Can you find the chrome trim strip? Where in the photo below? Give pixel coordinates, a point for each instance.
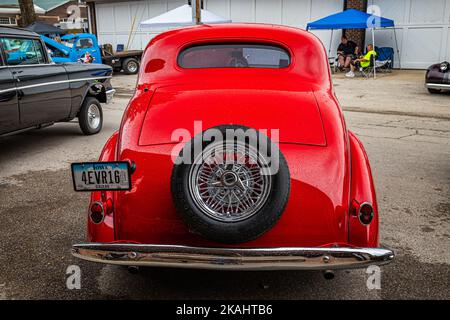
(438, 86)
(30, 65)
(52, 82)
(8, 90)
(314, 258)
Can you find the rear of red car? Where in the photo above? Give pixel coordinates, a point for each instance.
(296, 192)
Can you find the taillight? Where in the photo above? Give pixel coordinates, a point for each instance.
(109, 207)
(97, 212)
(365, 213)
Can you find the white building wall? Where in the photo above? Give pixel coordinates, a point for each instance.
(422, 27)
(116, 20)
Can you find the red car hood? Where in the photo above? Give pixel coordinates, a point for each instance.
(295, 114)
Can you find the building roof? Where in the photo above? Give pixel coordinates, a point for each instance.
(45, 5)
(44, 28)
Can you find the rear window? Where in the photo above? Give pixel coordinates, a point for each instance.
(237, 55)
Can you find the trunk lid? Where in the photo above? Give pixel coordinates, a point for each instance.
(294, 113)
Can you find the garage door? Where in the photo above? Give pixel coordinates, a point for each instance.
(422, 27)
(116, 20)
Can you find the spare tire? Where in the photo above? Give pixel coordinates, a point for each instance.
(230, 190)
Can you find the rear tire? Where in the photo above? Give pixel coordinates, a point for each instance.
(130, 66)
(434, 91)
(90, 117)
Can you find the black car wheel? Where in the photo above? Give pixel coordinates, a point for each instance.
(434, 91)
(90, 117)
(130, 66)
(226, 192)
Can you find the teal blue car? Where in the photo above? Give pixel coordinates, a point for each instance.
(84, 48)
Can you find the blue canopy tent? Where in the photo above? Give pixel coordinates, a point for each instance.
(353, 19)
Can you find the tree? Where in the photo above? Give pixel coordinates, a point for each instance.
(27, 14)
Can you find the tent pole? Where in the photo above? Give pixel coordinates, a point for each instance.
(398, 51)
(331, 41)
(373, 57)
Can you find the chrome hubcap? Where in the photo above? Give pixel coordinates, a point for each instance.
(132, 66)
(226, 183)
(93, 116)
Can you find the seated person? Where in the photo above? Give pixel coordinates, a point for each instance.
(346, 51)
(363, 61)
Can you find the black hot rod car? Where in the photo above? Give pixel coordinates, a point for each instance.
(437, 78)
(35, 92)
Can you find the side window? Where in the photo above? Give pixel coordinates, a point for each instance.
(85, 43)
(20, 51)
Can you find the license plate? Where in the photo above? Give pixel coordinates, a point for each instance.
(93, 176)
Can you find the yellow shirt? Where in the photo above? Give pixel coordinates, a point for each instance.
(367, 57)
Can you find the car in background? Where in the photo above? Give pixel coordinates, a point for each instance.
(437, 78)
(76, 47)
(232, 154)
(35, 92)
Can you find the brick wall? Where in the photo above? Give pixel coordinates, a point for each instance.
(356, 35)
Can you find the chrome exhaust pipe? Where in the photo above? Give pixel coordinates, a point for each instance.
(133, 269)
(328, 274)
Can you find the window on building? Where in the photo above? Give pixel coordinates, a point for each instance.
(8, 21)
(21, 51)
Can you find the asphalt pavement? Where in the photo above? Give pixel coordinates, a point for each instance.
(406, 133)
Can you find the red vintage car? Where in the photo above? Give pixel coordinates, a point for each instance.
(232, 154)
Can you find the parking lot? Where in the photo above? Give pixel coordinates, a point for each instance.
(405, 130)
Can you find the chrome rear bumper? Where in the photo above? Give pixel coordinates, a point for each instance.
(232, 258)
(439, 86)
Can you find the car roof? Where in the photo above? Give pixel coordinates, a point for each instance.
(214, 31)
(309, 60)
(12, 31)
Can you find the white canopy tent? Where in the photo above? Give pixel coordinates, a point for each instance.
(182, 16)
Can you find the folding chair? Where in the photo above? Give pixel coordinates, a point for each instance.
(369, 70)
(120, 48)
(385, 59)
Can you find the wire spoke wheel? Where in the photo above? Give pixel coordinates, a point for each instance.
(226, 181)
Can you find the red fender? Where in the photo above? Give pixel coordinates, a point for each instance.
(104, 231)
(362, 190)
